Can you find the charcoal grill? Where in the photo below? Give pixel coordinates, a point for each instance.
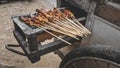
(30, 38)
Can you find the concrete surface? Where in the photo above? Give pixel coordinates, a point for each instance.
(12, 60)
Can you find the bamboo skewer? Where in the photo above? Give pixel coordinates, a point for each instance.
(74, 23)
(81, 25)
(49, 27)
(61, 31)
(68, 25)
(67, 28)
(80, 34)
(59, 27)
(75, 28)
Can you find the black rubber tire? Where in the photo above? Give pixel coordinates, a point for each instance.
(99, 51)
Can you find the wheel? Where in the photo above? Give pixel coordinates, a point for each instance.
(93, 56)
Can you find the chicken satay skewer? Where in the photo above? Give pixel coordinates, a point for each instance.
(54, 19)
(56, 27)
(40, 26)
(66, 13)
(52, 24)
(49, 16)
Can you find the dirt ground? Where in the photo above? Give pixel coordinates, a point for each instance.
(12, 60)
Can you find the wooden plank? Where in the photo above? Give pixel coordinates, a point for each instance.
(44, 36)
(109, 13)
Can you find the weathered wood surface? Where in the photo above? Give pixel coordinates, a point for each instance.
(109, 13)
(44, 36)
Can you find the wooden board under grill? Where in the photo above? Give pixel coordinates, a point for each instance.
(109, 13)
(44, 36)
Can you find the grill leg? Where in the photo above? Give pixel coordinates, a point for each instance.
(33, 57)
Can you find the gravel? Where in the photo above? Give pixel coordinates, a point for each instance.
(12, 60)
